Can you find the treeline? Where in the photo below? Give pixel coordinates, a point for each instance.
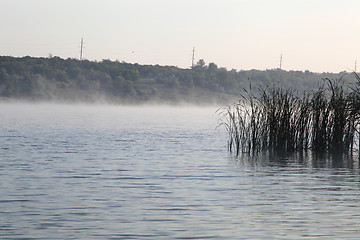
(69, 79)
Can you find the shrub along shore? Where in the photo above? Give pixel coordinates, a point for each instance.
(325, 120)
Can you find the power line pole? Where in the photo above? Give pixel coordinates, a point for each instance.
(355, 65)
(280, 61)
(193, 57)
(81, 49)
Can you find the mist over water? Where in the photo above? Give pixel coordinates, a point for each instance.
(160, 172)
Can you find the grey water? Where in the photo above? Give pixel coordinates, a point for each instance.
(159, 172)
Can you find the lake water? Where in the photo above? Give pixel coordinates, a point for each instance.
(115, 172)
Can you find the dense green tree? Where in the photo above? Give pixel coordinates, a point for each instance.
(200, 63)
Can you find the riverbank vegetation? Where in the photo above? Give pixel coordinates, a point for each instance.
(280, 119)
(71, 80)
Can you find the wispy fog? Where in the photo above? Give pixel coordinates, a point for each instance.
(106, 115)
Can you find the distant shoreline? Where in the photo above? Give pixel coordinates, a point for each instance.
(72, 80)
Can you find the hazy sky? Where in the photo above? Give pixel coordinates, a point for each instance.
(315, 35)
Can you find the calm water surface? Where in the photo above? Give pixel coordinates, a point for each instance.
(112, 172)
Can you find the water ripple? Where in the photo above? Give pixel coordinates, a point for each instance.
(120, 175)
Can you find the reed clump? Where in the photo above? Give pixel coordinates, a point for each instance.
(281, 120)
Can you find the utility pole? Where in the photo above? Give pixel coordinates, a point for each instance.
(280, 61)
(81, 49)
(193, 57)
(355, 65)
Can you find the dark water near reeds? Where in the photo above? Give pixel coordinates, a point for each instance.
(110, 172)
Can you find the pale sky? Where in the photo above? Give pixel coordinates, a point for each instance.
(315, 35)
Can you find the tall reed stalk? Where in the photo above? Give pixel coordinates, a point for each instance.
(354, 107)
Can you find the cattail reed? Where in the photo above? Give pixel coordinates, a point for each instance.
(280, 120)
